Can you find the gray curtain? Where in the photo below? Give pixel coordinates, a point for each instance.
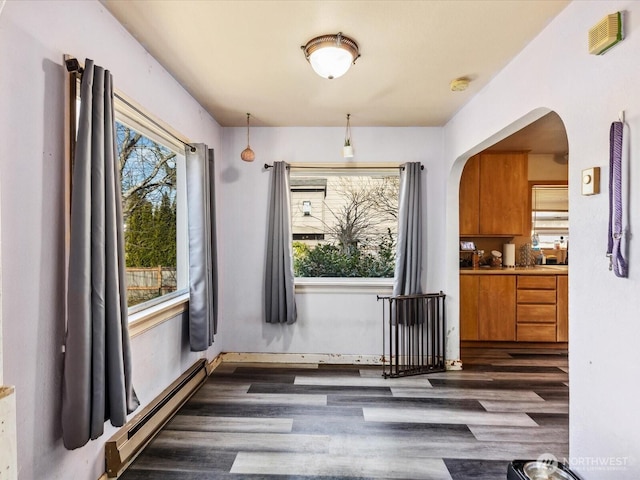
(408, 273)
(97, 363)
(280, 302)
(203, 275)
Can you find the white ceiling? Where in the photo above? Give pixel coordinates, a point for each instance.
(239, 56)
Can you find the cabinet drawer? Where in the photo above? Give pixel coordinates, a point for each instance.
(543, 282)
(537, 296)
(536, 333)
(537, 314)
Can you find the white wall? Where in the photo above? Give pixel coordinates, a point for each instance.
(556, 72)
(327, 323)
(33, 38)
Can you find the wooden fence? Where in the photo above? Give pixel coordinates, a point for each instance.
(146, 283)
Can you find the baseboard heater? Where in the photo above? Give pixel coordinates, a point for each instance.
(130, 440)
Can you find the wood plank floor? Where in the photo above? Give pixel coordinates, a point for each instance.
(275, 422)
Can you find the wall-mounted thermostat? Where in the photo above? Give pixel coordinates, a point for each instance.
(591, 181)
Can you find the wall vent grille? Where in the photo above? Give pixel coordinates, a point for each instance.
(605, 34)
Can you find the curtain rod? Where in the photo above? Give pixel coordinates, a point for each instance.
(74, 68)
(319, 167)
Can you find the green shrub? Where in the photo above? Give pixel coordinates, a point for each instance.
(327, 260)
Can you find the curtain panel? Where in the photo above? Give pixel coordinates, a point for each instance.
(279, 294)
(408, 272)
(97, 377)
(203, 274)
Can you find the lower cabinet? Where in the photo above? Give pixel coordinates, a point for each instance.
(497, 308)
(562, 309)
(487, 307)
(536, 309)
(513, 307)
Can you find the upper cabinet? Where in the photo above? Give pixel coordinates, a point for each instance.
(494, 195)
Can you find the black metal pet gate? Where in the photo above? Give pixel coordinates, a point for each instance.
(413, 334)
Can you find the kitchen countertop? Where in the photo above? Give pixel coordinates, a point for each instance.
(536, 270)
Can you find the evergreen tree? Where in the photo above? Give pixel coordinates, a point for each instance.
(164, 218)
(139, 234)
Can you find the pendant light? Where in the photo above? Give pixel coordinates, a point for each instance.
(247, 154)
(347, 149)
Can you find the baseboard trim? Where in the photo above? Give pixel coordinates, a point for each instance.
(213, 364)
(514, 345)
(328, 358)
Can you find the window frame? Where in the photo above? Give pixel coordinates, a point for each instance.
(342, 284)
(147, 315)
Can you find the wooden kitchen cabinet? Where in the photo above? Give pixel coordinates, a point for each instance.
(497, 308)
(536, 308)
(487, 307)
(513, 307)
(562, 309)
(469, 307)
(493, 195)
(470, 197)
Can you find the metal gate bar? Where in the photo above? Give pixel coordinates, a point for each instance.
(413, 334)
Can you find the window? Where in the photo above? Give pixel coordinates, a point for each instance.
(152, 171)
(344, 221)
(149, 171)
(549, 215)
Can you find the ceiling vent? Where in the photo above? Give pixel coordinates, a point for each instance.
(605, 34)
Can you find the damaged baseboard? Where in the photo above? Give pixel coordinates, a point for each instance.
(453, 364)
(328, 358)
(302, 358)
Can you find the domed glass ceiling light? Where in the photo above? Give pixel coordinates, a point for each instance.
(331, 56)
(347, 149)
(247, 154)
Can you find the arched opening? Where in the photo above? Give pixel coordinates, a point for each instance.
(514, 237)
(512, 205)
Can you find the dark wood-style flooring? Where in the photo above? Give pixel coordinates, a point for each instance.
(278, 421)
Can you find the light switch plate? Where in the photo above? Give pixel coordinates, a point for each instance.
(591, 181)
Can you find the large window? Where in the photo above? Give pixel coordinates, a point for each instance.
(344, 222)
(149, 170)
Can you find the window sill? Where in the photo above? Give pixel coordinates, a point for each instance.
(381, 286)
(149, 318)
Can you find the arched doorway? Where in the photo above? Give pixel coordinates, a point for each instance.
(513, 225)
(514, 336)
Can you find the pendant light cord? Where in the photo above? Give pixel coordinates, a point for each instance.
(347, 133)
(248, 115)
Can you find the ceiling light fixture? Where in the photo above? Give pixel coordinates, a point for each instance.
(247, 154)
(347, 150)
(331, 56)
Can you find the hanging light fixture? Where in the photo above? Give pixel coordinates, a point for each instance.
(331, 56)
(247, 154)
(347, 149)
